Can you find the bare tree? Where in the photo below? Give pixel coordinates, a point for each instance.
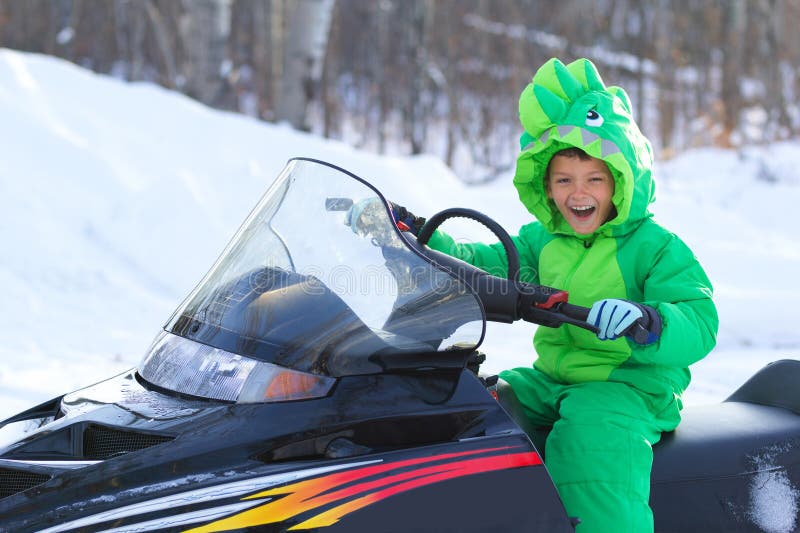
(165, 48)
(770, 13)
(304, 50)
(440, 76)
(204, 30)
(734, 23)
(667, 79)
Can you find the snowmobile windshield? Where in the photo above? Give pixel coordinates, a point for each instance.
(319, 280)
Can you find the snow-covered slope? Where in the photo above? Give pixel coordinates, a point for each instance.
(115, 198)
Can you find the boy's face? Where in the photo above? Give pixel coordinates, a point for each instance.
(581, 190)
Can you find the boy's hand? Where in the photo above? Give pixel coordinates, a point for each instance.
(405, 220)
(615, 318)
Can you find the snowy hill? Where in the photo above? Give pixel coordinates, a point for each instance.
(115, 198)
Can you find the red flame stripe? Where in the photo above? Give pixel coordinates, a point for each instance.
(433, 475)
(309, 494)
(341, 478)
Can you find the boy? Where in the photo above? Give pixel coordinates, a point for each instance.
(585, 174)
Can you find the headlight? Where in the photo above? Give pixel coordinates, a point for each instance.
(182, 365)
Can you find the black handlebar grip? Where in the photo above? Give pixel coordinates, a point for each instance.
(636, 332)
(574, 311)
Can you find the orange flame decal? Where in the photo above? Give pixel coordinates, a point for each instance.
(314, 493)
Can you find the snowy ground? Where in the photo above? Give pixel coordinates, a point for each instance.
(115, 198)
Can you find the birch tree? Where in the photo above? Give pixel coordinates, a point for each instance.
(304, 51)
(204, 28)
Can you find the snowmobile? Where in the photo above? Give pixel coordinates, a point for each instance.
(324, 376)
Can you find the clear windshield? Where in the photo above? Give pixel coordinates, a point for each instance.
(299, 287)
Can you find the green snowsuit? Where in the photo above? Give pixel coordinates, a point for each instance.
(607, 401)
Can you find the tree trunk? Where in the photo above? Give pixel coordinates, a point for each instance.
(136, 30)
(204, 32)
(667, 81)
(381, 82)
(733, 25)
(277, 16)
(167, 53)
(418, 115)
(304, 52)
(772, 13)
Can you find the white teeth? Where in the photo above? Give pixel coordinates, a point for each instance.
(582, 208)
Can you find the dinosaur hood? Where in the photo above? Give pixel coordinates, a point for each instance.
(570, 106)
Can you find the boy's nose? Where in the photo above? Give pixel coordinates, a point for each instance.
(580, 189)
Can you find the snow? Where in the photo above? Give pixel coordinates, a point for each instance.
(116, 197)
(773, 502)
(773, 497)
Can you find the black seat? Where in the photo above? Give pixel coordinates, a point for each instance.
(775, 385)
(725, 464)
(720, 440)
(713, 440)
(723, 459)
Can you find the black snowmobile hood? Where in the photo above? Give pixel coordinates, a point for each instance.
(300, 288)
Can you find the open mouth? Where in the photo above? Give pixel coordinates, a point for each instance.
(582, 212)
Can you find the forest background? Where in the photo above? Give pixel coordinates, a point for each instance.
(440, 77)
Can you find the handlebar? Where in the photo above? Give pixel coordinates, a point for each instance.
(576, 312)
(636, 332)
(504, 300)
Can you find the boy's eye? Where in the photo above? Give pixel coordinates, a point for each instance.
(593, 118)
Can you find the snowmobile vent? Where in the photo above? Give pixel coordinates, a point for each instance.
(103, 443)
(14, 481)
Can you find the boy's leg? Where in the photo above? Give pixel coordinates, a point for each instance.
(599, 454)
(535, 407)
(537, 393)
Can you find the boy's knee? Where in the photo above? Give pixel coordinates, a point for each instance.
(602, 454)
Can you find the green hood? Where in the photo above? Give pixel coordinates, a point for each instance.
(570, 106)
